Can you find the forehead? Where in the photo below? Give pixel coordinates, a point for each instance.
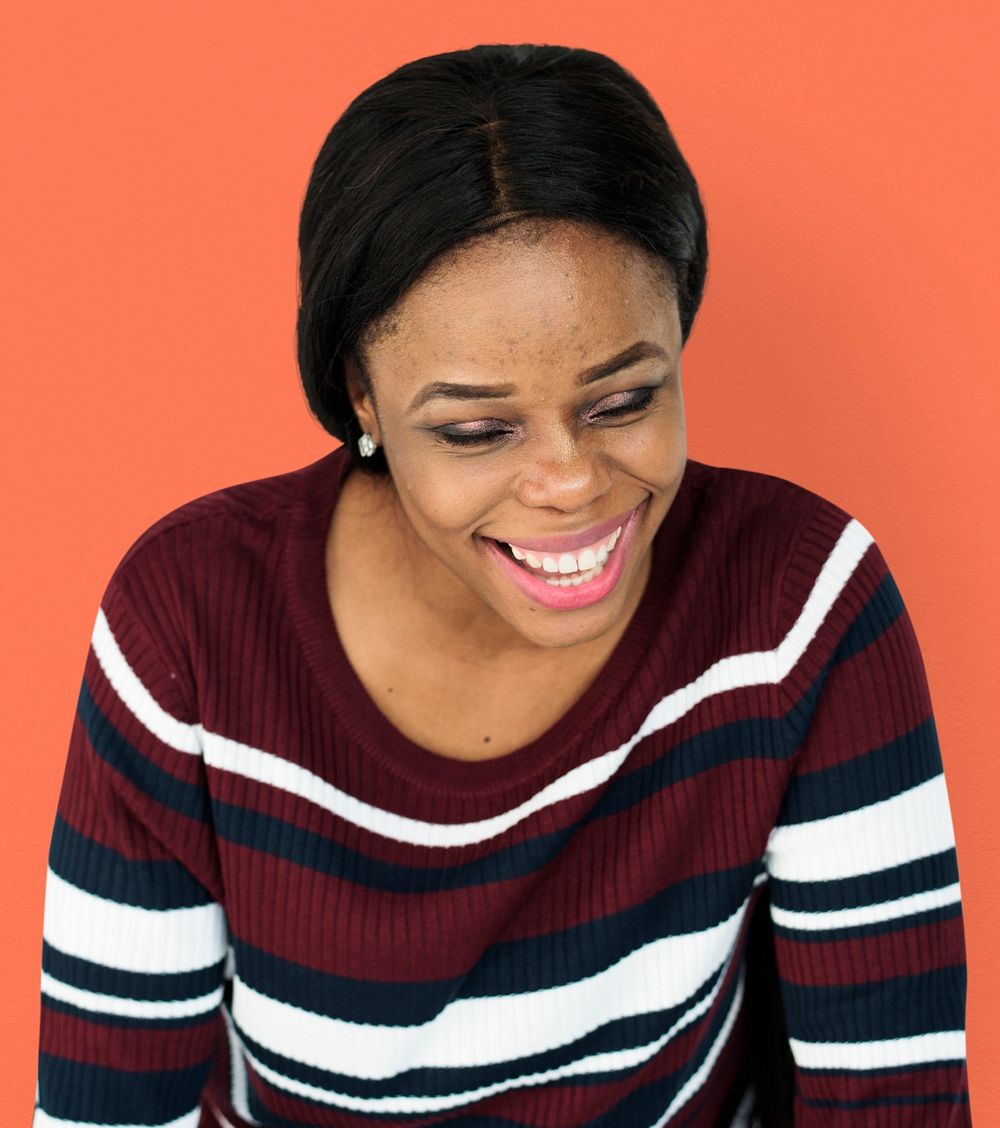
(532, 291)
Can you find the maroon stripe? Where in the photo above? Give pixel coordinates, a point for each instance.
(133, 1049)
(906, 950)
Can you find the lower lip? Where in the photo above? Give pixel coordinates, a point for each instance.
(585, 594)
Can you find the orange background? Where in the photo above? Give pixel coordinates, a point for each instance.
(157, 155)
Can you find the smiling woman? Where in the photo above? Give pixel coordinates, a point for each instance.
(505, 766)
(520, 441)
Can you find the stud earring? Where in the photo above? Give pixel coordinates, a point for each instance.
(367, 445)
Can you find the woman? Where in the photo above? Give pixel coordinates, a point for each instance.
(504, 766)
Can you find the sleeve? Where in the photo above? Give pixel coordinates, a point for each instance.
(134, 936)
(863, 876)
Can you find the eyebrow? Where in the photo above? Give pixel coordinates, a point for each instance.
(641, 350)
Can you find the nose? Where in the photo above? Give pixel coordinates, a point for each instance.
(560, 472)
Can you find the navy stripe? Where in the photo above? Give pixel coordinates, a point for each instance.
(645, 1105)
(264, 1114)
(880, 611)
(799, 717)
(104, 1019)
(109, 744)
(883, 772)
(104, 872)
(317, 851)
(619, 1034)
(759, 738)
(888, 1070)
(879, 928)
(73, 1090)
(306, 848)
(96, 977)
(872, 1011)
(878, 1102)
(514, 967)
(933, 872)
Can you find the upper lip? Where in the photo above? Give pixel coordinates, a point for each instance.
(571, 542)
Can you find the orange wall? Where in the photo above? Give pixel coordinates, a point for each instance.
(157, 157)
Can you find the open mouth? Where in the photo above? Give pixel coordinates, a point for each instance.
(565, 569)
(565, 578)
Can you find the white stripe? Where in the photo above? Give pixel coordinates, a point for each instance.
(697, 1079)
(741, 1117)
(222, 1121)
(43, 1120)
(911, 825)
(602, 1063)
(948, 1045)
(473, 1032)
(131, 1008)
(135, 696)
(837, 569)
(239, 1088)
(264, 767)
(761, 667)
(128, 937)
(867, 914)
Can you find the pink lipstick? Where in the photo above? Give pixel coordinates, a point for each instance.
(541, 587)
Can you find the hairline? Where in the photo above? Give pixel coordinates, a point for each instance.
(520, 228)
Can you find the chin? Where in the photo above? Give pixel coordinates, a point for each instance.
(559, 630)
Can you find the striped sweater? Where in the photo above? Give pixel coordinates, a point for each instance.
(266, 906)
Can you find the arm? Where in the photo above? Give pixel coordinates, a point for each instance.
(865, 898)
(134, 935)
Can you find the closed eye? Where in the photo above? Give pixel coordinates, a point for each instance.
(489, 432)
(483, 432)
(623, 403)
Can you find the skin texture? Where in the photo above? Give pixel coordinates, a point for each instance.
(529, 314)
(527, 309)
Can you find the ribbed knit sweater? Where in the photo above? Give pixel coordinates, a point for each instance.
(266, 905)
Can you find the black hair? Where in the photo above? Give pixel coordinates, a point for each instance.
(452, 146)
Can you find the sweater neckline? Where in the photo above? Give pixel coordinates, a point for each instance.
(590, 722)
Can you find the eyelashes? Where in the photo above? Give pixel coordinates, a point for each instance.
(492, 431)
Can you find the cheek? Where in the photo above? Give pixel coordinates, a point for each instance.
(654, 454)
(445, 496)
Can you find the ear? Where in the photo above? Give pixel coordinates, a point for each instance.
(361, 398)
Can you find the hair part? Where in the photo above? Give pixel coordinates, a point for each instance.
(472, 144)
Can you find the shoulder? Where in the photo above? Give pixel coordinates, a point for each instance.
(779, 547)
(748, 511)
(227, 524)
(191, 577)
(754, 500)
(208, 559)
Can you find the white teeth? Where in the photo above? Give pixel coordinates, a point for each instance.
(575, 580)
(580, 566)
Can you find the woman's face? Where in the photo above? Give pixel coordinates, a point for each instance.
(528, 399)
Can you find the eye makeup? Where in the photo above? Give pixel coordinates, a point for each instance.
(489, 432)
